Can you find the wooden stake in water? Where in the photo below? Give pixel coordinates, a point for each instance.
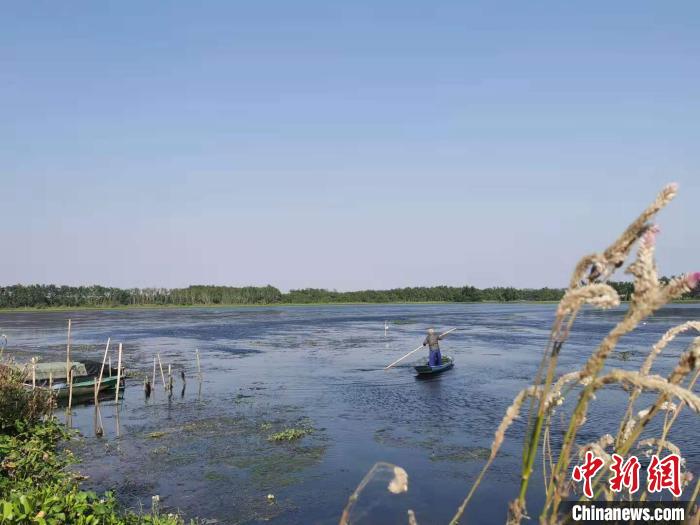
(153, 379)
(162, 375)
(33, 373)
(109, 365)
(70, 389)
(119, 372)
(102, 369)
(68, 367)
(170, 378)
(199, 368)
(116, 420)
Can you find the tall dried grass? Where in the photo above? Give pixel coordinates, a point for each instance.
(587, 286)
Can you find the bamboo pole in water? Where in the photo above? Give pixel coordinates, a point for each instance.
(162, 375)
(199, 368)
(33, 373)
(412, 351)
(170, 379)
(102, 369)
(109, 365)
(119, 372)
(116, 420)
(153, 379)
(68, 351)
(70, 389)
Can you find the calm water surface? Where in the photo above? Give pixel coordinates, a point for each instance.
(205, 450)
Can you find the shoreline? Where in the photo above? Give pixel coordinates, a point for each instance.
(33, 309)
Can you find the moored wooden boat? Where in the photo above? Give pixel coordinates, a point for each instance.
(85, 386)
(426, 369)
(52, 376)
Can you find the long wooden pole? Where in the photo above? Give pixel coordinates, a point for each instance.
(402, 358)
(102, 369)
(33, 373)
(153, 381)
(413, 351)
(162, 375)
(68, 351)
(119, 372)
(70, 389)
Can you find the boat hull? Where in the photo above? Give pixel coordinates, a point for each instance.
(85, 388)
(426, 369)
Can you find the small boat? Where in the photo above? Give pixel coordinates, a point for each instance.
(426, 369)
(52, 376)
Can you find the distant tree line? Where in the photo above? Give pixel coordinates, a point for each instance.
(450, 294)
(45, 296)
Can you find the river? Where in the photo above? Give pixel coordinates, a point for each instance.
(205, 451)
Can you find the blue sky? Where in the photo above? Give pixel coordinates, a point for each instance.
(341, 145)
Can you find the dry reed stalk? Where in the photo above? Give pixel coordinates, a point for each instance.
(651, 382)
(635, 426)
(660, 444)
(662, 343)
(669, 336)
(688, 362)
(669, 423)
(119, 372)
(397, 485)
(546, 454)
(648, 297)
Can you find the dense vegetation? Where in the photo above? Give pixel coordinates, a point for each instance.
(35, 484)
(45, 296)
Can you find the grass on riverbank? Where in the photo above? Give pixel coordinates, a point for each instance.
(36, 486)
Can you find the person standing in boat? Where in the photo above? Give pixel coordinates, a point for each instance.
(434, 356)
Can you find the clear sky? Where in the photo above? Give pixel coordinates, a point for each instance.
(342, 145)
